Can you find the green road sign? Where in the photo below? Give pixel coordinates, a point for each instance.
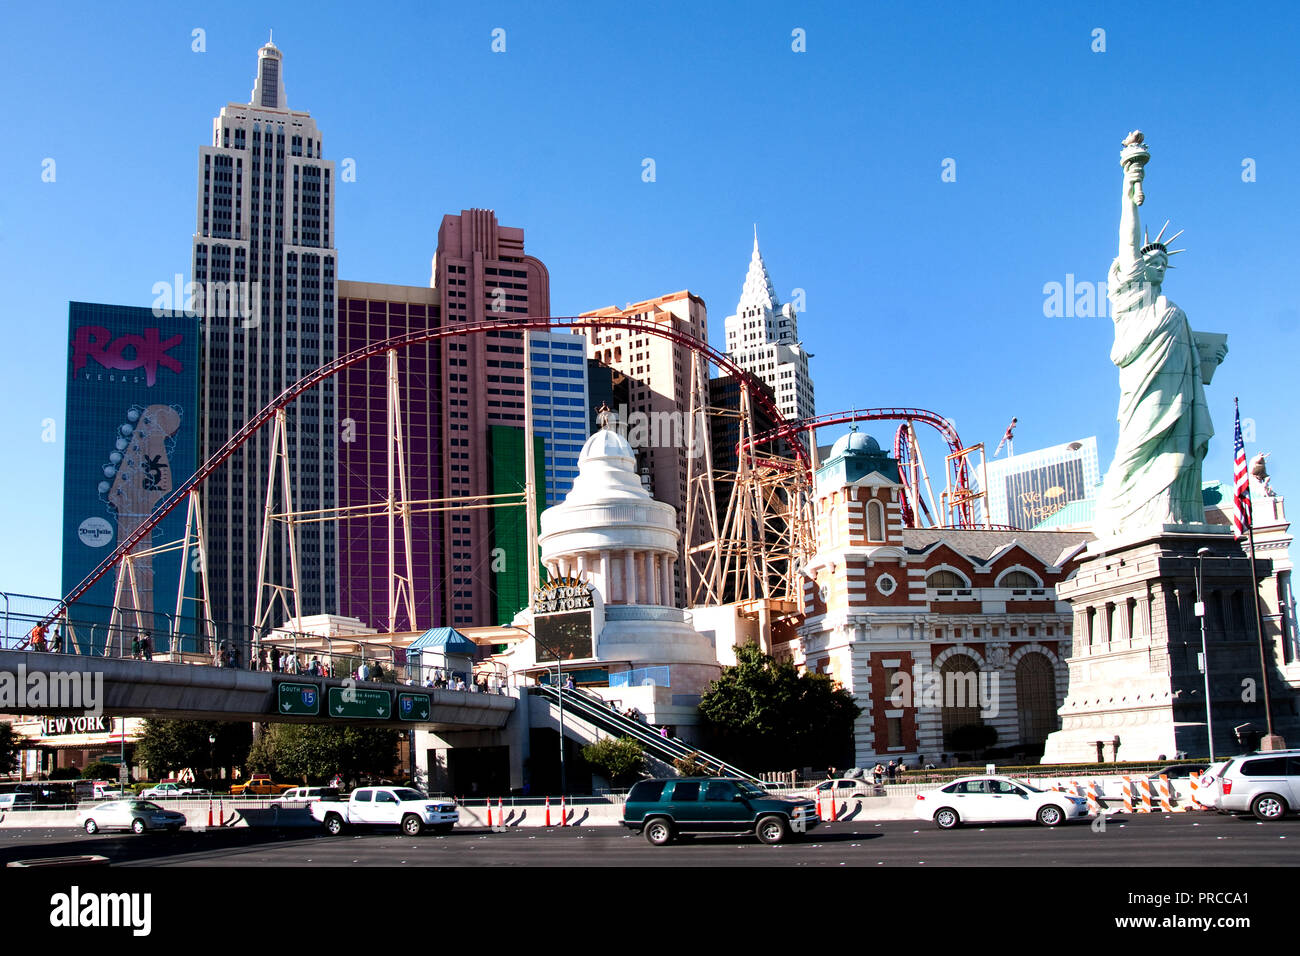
(300, 699)
(366, 704)
(413, 706)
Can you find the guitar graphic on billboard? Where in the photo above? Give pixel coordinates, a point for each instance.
(139, 477)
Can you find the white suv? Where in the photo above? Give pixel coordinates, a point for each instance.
(1266, 784)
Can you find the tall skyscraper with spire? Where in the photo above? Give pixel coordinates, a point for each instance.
(763, 339)
(264, 271)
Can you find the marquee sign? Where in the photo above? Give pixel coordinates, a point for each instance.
(561, 595)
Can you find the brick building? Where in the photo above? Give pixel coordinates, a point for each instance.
(932, 630)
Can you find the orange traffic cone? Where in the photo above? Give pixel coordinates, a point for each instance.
(489, 812)
(548, 811)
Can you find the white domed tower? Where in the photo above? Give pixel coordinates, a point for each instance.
(610, 534)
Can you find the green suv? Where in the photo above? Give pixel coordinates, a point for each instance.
(664, 808)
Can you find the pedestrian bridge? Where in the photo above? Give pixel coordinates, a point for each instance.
(46, 684)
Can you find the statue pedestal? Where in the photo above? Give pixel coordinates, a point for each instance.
(1134, 668)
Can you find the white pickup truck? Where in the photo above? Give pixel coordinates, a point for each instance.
(387, 806)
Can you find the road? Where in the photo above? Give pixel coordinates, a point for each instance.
(1192, 840)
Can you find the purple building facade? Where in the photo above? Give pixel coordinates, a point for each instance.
(369, 313)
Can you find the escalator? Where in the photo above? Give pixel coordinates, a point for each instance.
(595, 711)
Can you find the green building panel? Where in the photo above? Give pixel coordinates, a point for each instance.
(509, 544)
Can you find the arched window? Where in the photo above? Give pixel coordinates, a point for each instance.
(1018, 579)
(961, 708)
(944, 579)
(875, 521)
(1035, 698)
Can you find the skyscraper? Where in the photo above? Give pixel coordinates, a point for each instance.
(659, 383)
(561, 408)
(481, 272)
(763, 338)
(369, 313)
(264, 272)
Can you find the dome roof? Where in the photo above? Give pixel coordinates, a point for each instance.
(606, 443)
(855, 443)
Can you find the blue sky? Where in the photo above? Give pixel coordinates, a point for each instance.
(918, 291)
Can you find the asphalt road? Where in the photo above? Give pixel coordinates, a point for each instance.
(1198, 840)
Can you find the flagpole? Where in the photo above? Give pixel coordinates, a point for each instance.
(1244, 517)
(1259, 626)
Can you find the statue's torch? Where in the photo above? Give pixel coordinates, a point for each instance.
(1135, 153)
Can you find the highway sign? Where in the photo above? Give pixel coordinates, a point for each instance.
(299, 699)
(413, 706)
(364, 704)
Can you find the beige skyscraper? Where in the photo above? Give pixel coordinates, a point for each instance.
(659, 382)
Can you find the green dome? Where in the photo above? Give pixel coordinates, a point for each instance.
(855, 443)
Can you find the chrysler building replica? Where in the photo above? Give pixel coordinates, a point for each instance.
(763, 339)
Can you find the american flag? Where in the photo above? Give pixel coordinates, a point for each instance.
(1241, 513)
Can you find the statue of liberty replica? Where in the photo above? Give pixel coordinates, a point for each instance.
(1164, 423)
(1162, 590)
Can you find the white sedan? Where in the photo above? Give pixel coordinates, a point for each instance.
(135, 815)
(997, 800)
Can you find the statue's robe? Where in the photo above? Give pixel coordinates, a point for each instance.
(1164, 423)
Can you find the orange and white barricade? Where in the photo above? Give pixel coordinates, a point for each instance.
(1145, 784)
(1167, 797)
(1094, 797)
(1194, 785)
(1127, 786)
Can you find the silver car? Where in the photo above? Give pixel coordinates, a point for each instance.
(134, 815)
(1265, 784)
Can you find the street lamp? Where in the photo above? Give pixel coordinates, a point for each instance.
(1205, 651)
(212, 756)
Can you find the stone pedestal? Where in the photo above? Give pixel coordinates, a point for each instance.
(1134, 667)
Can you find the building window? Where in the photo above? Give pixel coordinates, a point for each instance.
(875, 521)
(945, 579)
(1035, 698)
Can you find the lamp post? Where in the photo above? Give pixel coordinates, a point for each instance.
(212, 756)
(1205, 651)
(559, 692)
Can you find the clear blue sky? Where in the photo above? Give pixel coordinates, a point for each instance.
(918, 291)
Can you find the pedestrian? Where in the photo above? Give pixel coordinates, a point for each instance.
(377, 672)
(275, 659)
(135, 647)
(892, 771)
(363, 672)
(878, 772)
(58, 640)
(663, 731)
(146, 646)
(38, 637)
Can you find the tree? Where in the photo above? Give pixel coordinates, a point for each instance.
(762, 714)
(8, 749)
(618, 758)
(315, 752)
(98, 770)
(168, 745)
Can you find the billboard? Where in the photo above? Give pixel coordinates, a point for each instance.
(1037, 494)
(131, 436)
(564, 620)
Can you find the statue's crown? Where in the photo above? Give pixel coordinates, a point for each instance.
(1158, 245)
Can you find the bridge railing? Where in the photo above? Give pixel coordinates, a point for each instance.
(100, 630)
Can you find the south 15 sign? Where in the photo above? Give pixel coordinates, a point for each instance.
(562, 594)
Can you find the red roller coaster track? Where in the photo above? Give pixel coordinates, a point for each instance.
(523, 324)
